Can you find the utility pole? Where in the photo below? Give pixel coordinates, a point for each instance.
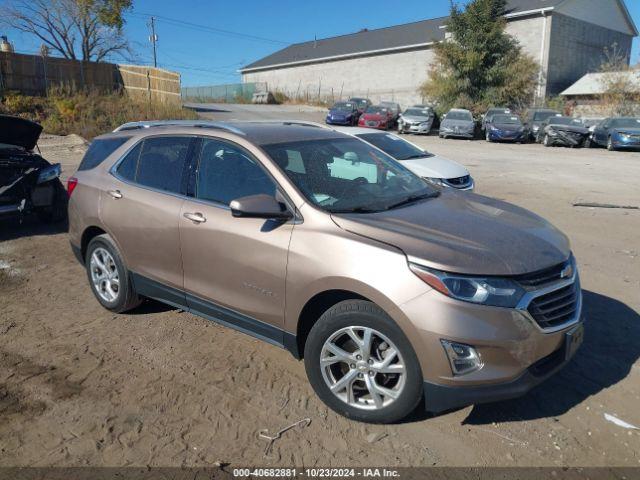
(154, 39)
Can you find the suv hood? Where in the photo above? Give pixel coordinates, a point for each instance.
(435, 167)
(465, 233)
(416, 118)
(630, 131)
(458, 123)
(569, 128)
(19, 132)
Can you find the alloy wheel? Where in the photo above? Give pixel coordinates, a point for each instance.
(363, 368)
(104, 274)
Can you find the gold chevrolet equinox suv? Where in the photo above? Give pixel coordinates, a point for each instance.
(392, 290)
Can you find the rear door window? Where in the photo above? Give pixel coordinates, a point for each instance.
(157, 163)
(99, 150)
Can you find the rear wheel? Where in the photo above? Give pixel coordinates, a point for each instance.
(108, 277)
(360, 363)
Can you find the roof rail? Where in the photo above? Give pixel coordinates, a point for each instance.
(178, 123)
(302, 123)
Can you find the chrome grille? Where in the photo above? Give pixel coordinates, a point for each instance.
(556, 307)
(459, 182)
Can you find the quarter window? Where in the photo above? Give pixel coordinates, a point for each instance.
(226, 172)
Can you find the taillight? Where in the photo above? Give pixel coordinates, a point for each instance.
(72, 182)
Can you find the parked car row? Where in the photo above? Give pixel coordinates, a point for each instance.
(544, 126)
(383, 116)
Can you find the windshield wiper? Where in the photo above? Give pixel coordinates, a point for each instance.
(418, 155)
(413, 198)
(356, 210)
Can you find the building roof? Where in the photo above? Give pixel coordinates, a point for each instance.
(595, 83)
(398, 37)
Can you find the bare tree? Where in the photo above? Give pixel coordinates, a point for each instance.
(620, 84)
(94, 28)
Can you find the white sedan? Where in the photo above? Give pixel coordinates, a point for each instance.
(437, 170)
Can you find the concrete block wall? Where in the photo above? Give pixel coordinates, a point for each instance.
(392, 77)
(576, 48)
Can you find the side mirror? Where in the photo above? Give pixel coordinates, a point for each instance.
(259, 206)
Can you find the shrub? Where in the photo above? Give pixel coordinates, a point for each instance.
(88, 113)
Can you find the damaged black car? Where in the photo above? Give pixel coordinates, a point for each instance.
(28, 183)
(563, 132)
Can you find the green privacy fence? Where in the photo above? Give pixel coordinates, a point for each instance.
(232, 92)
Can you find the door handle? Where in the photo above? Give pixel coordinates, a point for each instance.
(115, 193)
(195, 217)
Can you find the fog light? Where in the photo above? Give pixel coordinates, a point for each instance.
(462, 358)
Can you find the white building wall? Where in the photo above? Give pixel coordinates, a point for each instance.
(393, 77)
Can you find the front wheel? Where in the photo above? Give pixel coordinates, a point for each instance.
(360, 363)
(610, 146)
(547, 141)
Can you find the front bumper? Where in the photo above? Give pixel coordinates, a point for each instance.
(439, 398)
(330, 121)
(507, 136)
(419, 128)
(620, 143)
(517, 352)
(457, 134)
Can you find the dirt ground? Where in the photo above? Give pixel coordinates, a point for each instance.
(80, 386)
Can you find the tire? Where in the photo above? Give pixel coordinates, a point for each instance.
(488, 137)
(125, 297)
(404, 389)
(588, 143)
(546, 141)
(610, 146)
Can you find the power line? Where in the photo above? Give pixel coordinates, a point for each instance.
(206, 28)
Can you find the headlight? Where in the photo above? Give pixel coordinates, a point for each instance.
(497, 292)
(434, 181)
(424, 124)
(625, 136)
(49, 173)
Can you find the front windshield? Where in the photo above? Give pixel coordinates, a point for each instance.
(565, 121)
(417, 112)
(506, 119)
(376, 109)
(453, 115)
(542, 116)
(343, 107)
(625, 123)
(347, 175)
(394, 146)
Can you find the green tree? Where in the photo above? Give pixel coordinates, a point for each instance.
(479, 64)
(94, 28)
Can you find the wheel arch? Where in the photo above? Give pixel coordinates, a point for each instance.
(89, 234)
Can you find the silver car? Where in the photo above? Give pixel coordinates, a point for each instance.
(458, 123)
(416, 120)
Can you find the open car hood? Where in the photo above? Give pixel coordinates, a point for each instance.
(19, 132)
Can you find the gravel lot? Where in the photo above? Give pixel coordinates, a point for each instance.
(81, 386)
